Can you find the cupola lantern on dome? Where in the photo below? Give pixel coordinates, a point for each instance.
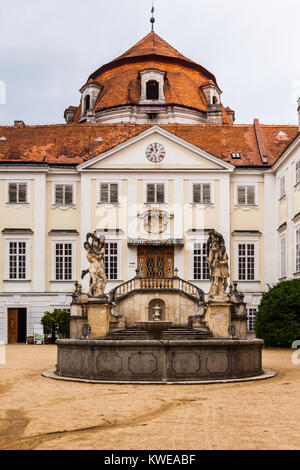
(151, 83)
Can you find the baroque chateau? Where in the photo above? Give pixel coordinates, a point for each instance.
(153, 160)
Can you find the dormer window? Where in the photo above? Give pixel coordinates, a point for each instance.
(89, 95)
(87, 103)
(152, 90)
(152, 86)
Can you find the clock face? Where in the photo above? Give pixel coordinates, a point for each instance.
(155, 152)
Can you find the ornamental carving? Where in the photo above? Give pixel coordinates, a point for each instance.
(156, 221)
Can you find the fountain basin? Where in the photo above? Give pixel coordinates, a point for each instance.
(154, 328)
(152, 361)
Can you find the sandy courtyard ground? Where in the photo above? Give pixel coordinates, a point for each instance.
(40, 413)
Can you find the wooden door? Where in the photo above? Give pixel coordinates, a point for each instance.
(156, 262)
(12, 323)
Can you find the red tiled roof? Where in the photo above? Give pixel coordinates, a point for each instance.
(75, 143)
(152, 45)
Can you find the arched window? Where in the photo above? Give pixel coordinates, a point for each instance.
(215, 100)
(87, 103)
(152, 90)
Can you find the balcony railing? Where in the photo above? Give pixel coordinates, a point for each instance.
(175, 284)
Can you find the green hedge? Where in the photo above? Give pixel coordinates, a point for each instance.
(61, 318)
(278, 317)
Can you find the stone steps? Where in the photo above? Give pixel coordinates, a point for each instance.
(174, 333)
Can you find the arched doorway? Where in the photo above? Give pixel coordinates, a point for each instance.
(157, 303)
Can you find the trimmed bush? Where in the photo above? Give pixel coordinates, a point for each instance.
(278, 318)
(61, 319)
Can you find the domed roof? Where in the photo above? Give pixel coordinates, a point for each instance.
(152, 45)
(120, 78)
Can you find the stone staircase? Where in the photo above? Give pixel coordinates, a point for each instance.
(179, 332)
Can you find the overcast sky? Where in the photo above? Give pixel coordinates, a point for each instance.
(48, 48)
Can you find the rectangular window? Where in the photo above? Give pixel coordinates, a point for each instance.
(251, 314)
(111, 260)
(298, 250)
(64, 194)
(155, 193)
(63, 262)
(201, 269)
(17, 260)
(246, 195)
(282, 257)
(109, 193)
(246, 262)
(298, 172)
(17, 193)
(201, 193)
(282, 186)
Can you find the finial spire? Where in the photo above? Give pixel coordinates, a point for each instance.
(152, 20)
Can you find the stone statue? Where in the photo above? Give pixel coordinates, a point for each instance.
(95, 248)
(218, 266)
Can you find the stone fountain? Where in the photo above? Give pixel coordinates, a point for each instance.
(155, 327)
(211, 346)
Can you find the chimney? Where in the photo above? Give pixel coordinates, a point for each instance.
(299, 112)
(19, 124)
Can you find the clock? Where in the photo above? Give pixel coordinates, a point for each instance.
(155, 152)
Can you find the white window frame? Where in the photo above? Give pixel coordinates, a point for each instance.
(201, 241)
(119, 259)
(109, 182)
(17, 238)
(166, 186)
(246, 240)
(297, 172)
(8, 182)
(297, 263)
(243, 183)
(156, 75)
(250, 317)
(59, 239)
(64, 183)
(282, 186)
(212, 192)
(282, 256)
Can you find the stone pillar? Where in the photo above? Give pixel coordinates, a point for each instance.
(218, 318)
(99, 317)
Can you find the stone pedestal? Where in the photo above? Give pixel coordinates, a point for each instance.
(99, 317)
(218, 318)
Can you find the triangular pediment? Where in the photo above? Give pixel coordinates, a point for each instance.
(178, 154)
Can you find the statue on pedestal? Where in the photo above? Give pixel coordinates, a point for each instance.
(218, 266)
(95, 248)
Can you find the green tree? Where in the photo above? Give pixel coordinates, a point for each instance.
(278, 317)
(61, 320)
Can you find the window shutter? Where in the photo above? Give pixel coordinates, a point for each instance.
(206, 194)
(251, 195)
(12, 192)
(114, 197)
(59, 194)
(241, 193)
(160, 198)
(22, 192)
(69, 194)
(150, 193)
(104, 193)
(196, 193)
